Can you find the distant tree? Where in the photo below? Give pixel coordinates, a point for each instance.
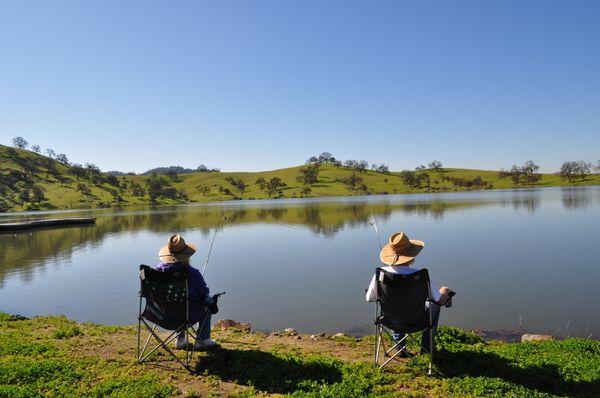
(410, 179)
(383, 168)
(312, 160)
(503, 173)
(94, 173)
(77, 170)
(182, 195)
(24, 196)
(529, 172)
(237, 183)
(305, 190)
(172, 174)
(352, 182)
(420, 168)
(362, 165)
(568, 171)
(351, 164)
(326, 157)
(435, 165)
(11, 153)
(20, 142)
(424, 178)
(597, 167)
(583, 168)
(50, 153)
(62, 158)
(84, 189)
(336, 163)
(261, 182)
(113, 180)
(203, 189)
(136, 189)
(203, 169)
(35, 148)
(309, 174)
(515, 174)
(275, 186)
(240, 186)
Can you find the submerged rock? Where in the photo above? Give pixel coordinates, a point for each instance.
(225, 324)
(290, 331)
(536, 337)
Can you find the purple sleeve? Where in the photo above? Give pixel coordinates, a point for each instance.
(197, 283)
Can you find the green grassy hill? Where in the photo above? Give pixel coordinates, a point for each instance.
(30, 181)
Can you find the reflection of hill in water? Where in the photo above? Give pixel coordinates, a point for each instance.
(24, 251)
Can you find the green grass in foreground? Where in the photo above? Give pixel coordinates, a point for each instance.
(56, 357)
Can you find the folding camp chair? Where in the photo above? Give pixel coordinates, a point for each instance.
(167, 306)
(401, 307)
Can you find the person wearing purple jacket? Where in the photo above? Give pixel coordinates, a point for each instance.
(176, 255)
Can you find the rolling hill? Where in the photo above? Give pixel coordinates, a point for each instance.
(30, 181)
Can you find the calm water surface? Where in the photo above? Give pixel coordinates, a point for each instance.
(528, 255)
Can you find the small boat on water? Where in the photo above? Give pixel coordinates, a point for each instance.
(45, 222)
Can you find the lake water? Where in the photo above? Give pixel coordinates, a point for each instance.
(529, 256)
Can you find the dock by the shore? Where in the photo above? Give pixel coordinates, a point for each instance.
(46, 222)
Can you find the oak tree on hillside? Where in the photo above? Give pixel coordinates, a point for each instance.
(275, 186)
(62, 158)
(261, 183)
(309, 174)
(20, 142)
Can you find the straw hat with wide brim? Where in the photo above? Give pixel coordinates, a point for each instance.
(400, 250)
(177, 250)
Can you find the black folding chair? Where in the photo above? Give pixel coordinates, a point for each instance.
(167, 306)
(400, 306)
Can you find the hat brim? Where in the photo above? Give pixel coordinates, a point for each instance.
(165, 255)
(390, 257)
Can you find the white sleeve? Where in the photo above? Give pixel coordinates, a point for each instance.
(371, 293)
(435, 291)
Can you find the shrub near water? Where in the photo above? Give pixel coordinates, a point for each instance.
(539, 369)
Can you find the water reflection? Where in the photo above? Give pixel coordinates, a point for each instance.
(577, 198)
(298, 262)
(524, 200)
(25, 250)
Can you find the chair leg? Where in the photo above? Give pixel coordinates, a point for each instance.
(431, 350)
(377, 344)
(139, 335)
(166, 347)
(141, 353)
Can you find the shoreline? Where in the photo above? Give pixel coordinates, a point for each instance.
(55, 356)
(19, 213)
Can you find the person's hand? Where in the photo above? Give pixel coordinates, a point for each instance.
(213, 307)
(444, 291)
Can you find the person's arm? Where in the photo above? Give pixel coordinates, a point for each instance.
(198, 284)
(371, 291)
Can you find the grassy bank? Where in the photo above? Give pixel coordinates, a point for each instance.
(53, 356)
(30, 181)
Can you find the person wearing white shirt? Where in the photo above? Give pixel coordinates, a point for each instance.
(399, 254)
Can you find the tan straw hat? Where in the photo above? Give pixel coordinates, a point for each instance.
(177, 250)
(400, 250)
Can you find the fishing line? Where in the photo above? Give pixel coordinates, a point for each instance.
(374, 224)
(212, 242)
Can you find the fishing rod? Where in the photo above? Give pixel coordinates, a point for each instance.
(212, 242)
(374, 224)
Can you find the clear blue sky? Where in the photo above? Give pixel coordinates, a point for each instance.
(256, 85)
